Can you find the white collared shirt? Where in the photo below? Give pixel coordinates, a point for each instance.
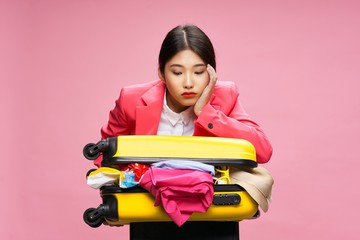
(176, 124)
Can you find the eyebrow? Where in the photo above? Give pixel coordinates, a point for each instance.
(196, 65)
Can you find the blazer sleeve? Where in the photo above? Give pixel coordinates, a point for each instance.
(117, 124)
(225, 117)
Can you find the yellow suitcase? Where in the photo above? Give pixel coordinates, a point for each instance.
(132, 205)
(148, 149)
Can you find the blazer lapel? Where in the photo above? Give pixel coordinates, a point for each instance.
(148, 116)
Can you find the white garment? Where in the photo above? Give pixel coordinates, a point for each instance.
(103, 176)
(176, 124)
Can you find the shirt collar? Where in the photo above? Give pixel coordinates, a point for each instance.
(185, 116)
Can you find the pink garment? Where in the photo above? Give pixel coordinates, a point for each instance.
(181, 192)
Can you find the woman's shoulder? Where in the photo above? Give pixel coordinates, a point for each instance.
(142, 86)
(225, 87)
(225, 84)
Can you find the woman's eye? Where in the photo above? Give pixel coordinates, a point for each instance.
(177, 73)
(199, 72)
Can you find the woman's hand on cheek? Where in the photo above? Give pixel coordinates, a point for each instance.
(206, 94)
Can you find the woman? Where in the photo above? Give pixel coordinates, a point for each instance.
(187, 100)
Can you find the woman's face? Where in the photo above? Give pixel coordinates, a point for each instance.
(185, 76)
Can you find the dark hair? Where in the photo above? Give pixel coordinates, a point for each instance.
(186, 37)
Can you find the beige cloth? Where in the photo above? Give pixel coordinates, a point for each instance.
(257, 182)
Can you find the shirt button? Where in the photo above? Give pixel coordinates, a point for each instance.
(210, 125)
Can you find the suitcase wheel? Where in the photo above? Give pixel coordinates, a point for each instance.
(91, 151)
(93, 217)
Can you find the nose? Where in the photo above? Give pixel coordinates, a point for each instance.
(188, 82)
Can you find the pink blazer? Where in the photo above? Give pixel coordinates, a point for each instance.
(138, 109)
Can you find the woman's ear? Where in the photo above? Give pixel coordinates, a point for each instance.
(161, 76)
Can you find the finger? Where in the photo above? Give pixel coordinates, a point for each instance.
(212, 73)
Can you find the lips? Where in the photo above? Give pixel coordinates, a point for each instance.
(188, 94)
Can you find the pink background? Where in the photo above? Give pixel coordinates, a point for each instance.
(62, 64)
